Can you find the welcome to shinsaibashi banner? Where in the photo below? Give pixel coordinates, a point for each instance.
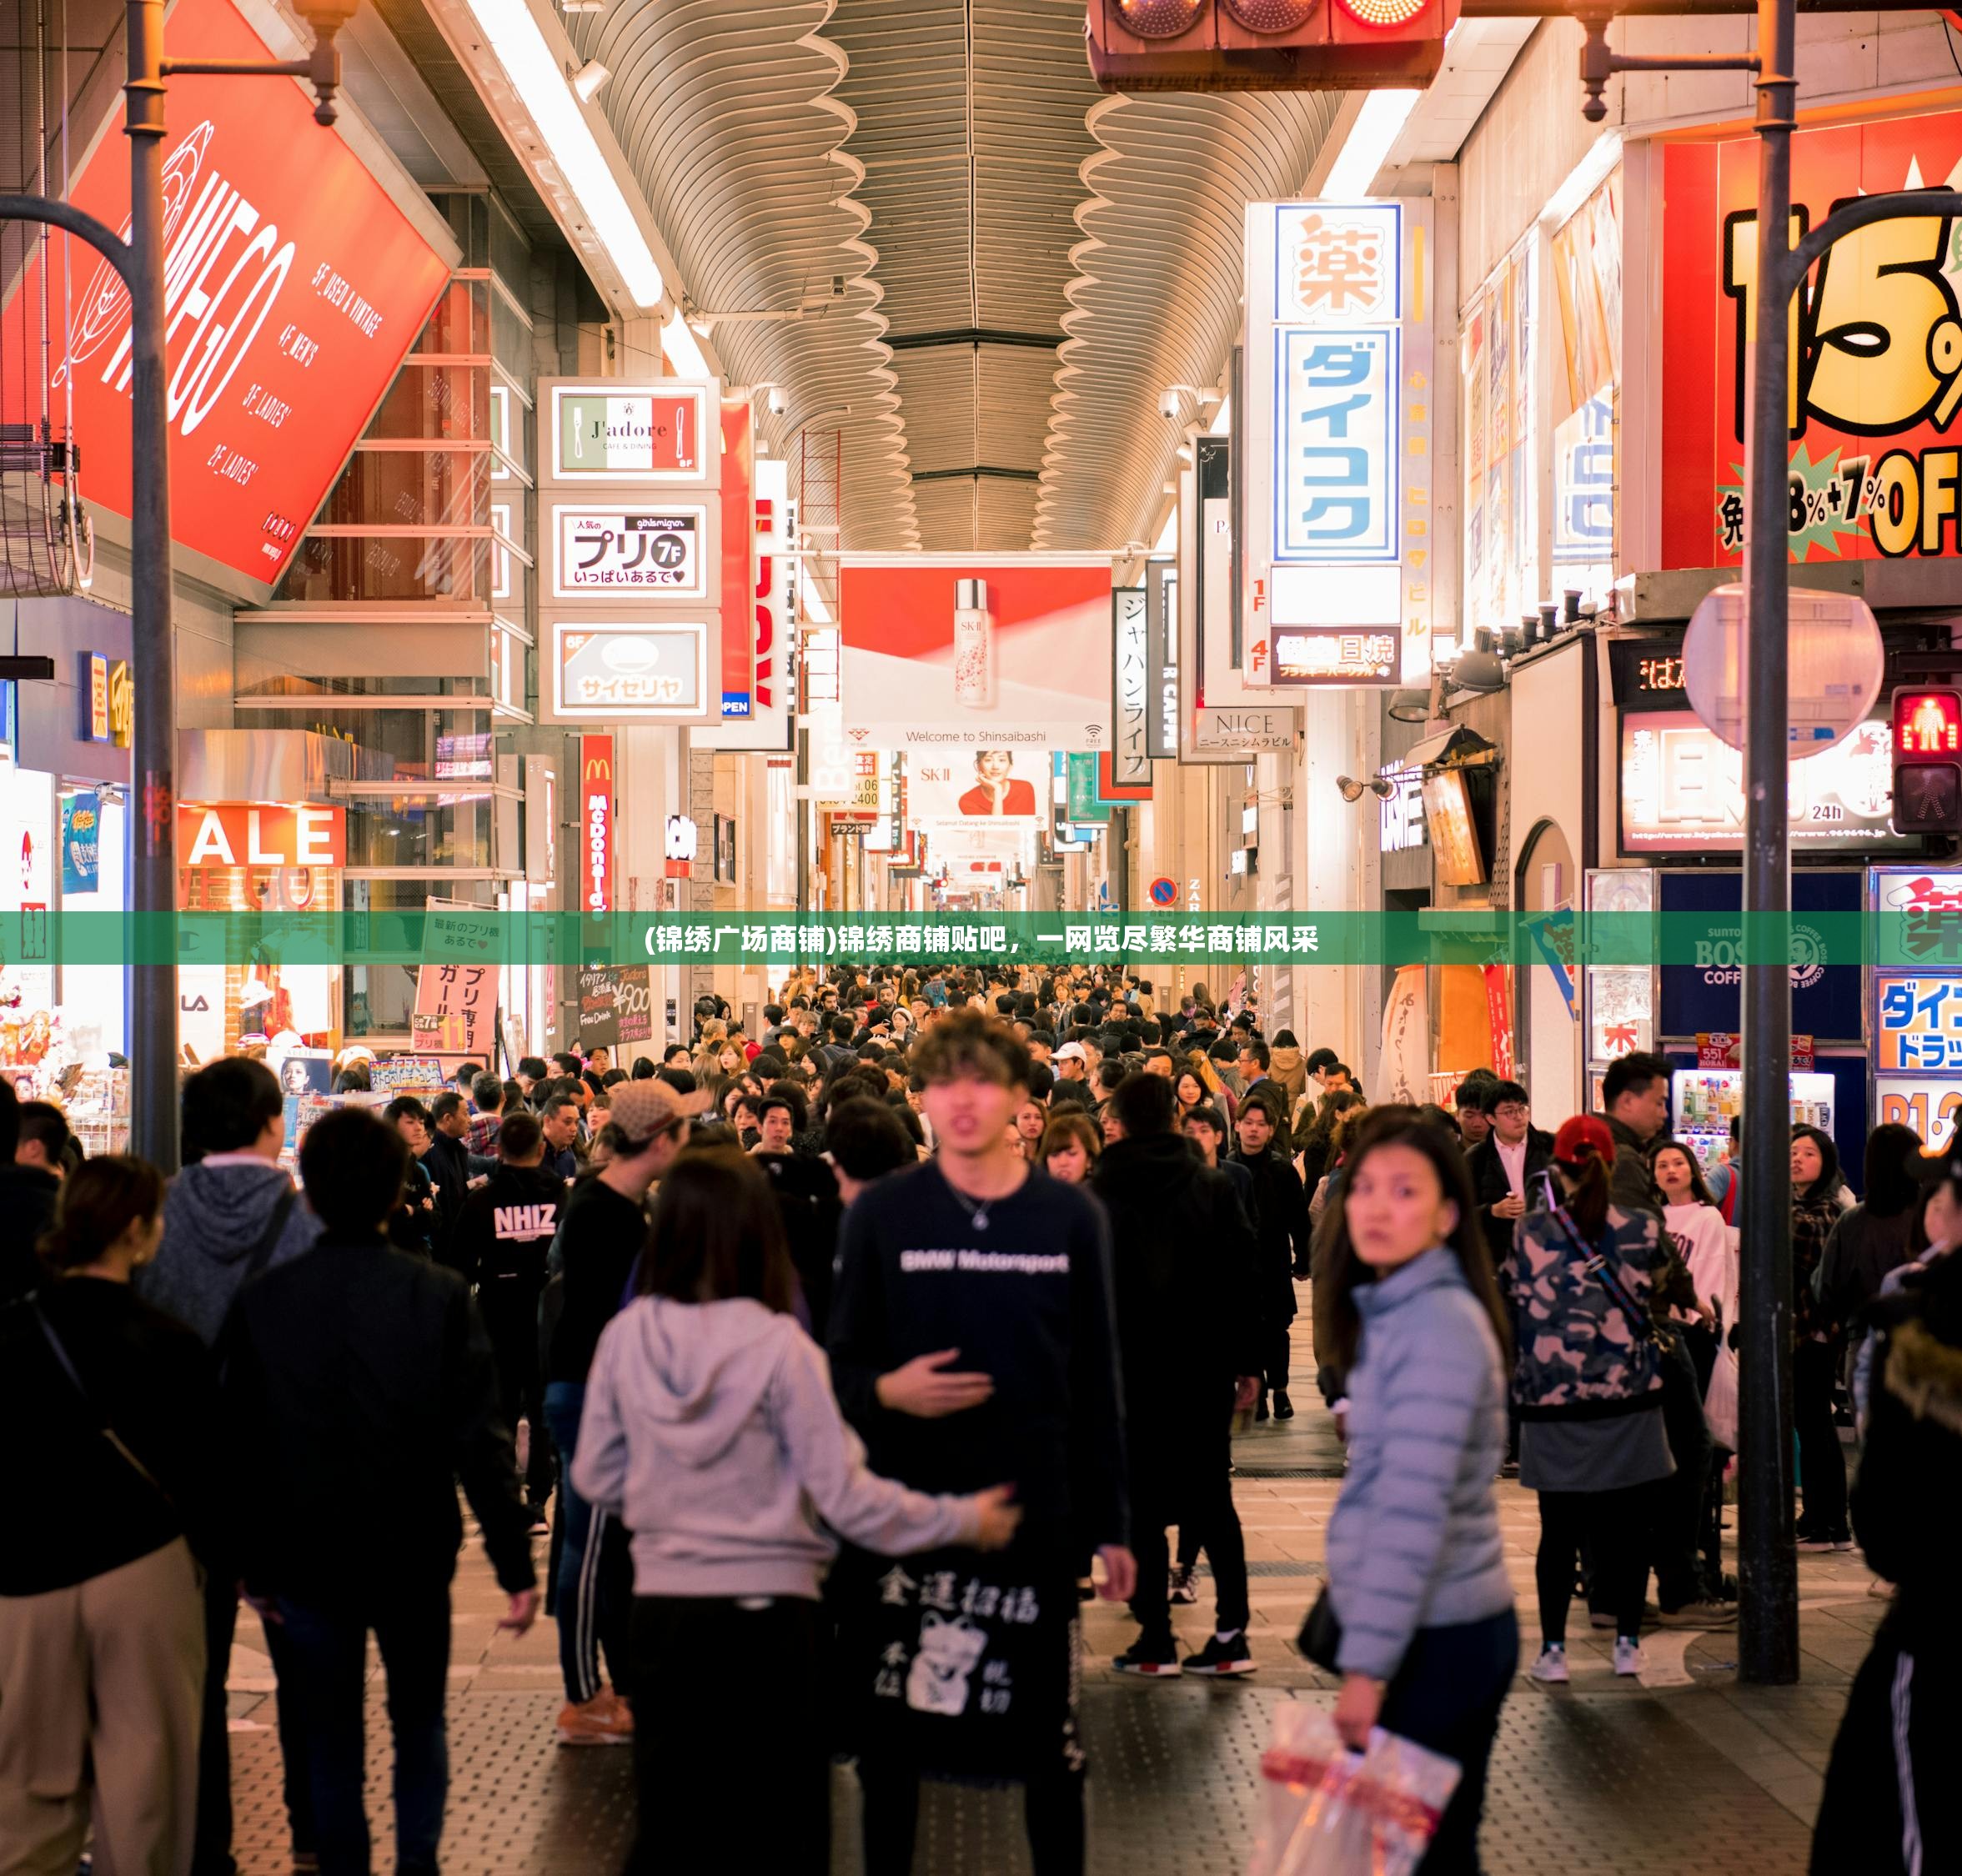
(457, 949)
(1877, 360)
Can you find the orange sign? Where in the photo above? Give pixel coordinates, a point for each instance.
(455, 1010)
(248, 834)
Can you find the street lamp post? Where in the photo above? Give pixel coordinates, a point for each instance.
(139, 262)
(1768, 1603)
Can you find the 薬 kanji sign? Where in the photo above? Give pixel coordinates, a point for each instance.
(1338, 456)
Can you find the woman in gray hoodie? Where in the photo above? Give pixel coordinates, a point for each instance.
(1428, 1642)
(711, 1433)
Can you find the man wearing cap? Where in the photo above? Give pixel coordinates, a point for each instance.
(1070, 1063)
(602, 1231)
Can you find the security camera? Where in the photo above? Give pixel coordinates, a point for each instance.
(1168, 406)
(779, 402)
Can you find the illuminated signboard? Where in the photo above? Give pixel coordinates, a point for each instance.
(611, 432)
(602, 553)
(605, 672)
(249, 834)
(1309, 655)
(293, 287)
(1682, 790)
(1917, 1024)
(1339, 352)
(595, 794)
(1130, 689)
(1876, 343)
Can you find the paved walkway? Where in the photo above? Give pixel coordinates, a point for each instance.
(1686, 1772)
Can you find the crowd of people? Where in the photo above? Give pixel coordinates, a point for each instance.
(843, 1361)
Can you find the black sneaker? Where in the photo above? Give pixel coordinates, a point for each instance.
(1158, 1659)
(1230, 1657)
(1284, 1408)
(1181, 1590)
(541, 1525)
(1260, 1405)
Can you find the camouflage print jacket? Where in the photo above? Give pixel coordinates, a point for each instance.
(1578, 1358)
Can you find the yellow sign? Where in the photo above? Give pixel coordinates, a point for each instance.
(121, 727)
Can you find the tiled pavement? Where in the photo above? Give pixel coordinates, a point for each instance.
(1688, 1772)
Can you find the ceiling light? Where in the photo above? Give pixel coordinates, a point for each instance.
(588, 79)
(1377, 126)
(683, 350)
(533, 72)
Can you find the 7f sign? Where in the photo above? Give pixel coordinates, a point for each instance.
(596, 796)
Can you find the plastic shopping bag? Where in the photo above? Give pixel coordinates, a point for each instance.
(1326, 1811)
(1720, 1398)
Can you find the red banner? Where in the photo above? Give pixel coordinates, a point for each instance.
(1715, 1049)
(595, 814)
(293, 288)
(739, 547)
(1876, 349)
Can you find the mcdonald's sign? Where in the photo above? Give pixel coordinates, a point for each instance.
(596, 795)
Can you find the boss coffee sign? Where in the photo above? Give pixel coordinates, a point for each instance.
(1877, 360)
(293, 287)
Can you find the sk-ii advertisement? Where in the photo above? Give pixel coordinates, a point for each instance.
(293, 288)
(1876, 358)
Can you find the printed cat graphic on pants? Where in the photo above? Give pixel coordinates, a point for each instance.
(950, 1652)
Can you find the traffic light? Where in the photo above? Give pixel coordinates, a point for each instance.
(1267, 45)
(1928, 759)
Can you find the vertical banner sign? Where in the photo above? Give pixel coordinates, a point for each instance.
(768, 724)
(596, 796)
(1338, 445)
(1130, 689)
(81, 818)
(739, 579)
(1162, 657)
(1876, 389)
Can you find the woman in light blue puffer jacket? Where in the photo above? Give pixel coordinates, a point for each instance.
(1417, 1578)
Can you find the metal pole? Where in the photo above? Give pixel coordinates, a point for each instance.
(153, 977)
(1768, 1569)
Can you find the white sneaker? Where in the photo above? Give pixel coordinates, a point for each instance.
(1551, 1666)
(1628, 1658)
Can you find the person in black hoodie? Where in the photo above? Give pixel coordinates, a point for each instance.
(232, 1212)
(28, 1194)
(101, 1619)
(1888, 1807)
(502, 1237)
(1280, 1225)
(971, 1340)
(1189, 1345)
(359, 1375)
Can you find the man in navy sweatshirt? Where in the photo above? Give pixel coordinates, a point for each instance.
(972, 1341)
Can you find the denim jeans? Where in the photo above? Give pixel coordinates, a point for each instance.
(594, 1584)
(327, 1644)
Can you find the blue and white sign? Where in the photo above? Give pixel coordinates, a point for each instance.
(1336, 478)
(1338, 432)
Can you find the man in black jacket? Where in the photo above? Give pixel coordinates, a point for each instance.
(1189, 1345)
(28, 1194)
(358, 1377)
(1635, 1102)
(1506, 1163)
(502, 1236)
(1281, 1226)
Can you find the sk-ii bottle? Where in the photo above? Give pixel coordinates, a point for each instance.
(973, 645)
